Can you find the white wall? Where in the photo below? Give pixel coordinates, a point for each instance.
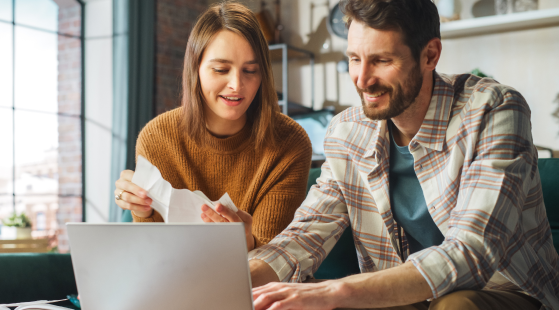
(98, 108)
(527, 60)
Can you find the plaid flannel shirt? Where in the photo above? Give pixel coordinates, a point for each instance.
(477, 167)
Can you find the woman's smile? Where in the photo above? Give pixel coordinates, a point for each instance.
(231, 100)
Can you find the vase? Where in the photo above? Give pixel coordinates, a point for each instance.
(503, 7)
(449, 10)
(11, 233)
(483, 8)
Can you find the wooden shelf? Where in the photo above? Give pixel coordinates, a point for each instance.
(24, 246)
(500, 23)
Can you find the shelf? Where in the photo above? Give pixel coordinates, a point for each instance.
(500, 23)
(276, 51)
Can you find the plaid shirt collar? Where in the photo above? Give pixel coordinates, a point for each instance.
(432, 133)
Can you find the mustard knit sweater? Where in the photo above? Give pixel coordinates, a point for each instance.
(269, 183)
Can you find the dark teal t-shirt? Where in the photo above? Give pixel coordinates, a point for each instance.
(407, 201)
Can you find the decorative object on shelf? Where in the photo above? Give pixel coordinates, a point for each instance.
(503, 6)
(266, 24)
(342, 66)
(483, 8)
(336, 24)
(512, 6)
(525, 5)
(478, 72)
(270, 28)
(449, 10)
(16, 227)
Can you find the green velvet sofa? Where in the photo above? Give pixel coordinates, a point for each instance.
(26, 277)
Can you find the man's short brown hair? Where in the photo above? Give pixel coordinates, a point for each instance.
(417, 20)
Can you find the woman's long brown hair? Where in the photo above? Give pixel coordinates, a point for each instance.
(261, 113)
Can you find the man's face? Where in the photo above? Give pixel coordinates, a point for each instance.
(381, 66)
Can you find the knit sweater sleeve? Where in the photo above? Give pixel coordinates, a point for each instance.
(284, 192)
(145, 139)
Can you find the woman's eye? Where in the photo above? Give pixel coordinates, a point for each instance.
(250, 71)
(219, 70)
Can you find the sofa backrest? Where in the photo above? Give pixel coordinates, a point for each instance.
(31, 276)
(549, 175)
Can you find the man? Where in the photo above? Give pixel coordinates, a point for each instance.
(437, 177)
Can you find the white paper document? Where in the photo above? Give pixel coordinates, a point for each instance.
(174, 205)
(39, 304)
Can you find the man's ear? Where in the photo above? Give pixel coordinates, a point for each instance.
(431, 54)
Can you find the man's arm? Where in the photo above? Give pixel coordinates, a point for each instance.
(402, 285)
(261, 273)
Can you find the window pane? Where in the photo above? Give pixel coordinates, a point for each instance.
(41, 210)
(42, 14)
(6, 10)
(36, 153)
(6, 151)
(6, 206)
(36, 70)
(6, 64)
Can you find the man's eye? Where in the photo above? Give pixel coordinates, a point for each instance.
(383, 61)
(354, 59)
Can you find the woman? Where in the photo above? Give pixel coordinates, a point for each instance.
(228, 135)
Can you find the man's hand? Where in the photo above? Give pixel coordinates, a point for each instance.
(398, 286)
(295, 296)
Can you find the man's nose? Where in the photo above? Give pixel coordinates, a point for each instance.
(366, 76)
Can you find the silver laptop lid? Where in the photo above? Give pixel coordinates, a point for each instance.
(137, 266)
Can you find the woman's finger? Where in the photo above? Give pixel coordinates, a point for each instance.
(214, 216)
(227, 213)
(245, 217)
(127, 175)
(205, 218)
(132, 206)
(125, 184)
(131, 198)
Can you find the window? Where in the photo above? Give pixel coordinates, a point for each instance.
(41, 114)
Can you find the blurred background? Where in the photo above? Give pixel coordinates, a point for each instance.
(79, 79)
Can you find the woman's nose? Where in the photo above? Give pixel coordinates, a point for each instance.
(235, 82)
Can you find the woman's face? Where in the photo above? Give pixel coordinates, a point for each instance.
(230, 78)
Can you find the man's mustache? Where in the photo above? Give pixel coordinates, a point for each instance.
(374, 89)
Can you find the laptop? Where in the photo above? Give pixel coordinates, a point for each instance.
(150, 266)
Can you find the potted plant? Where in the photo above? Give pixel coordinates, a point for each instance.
(16, 227)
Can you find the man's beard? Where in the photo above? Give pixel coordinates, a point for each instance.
(401, 98)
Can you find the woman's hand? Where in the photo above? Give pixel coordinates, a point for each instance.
(130, 196)
(224, 215)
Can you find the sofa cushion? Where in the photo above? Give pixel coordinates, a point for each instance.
(32, 276)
